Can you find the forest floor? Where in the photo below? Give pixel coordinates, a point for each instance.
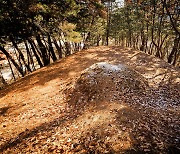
(100, 100)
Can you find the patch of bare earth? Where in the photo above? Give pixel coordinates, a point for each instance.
(102, 100)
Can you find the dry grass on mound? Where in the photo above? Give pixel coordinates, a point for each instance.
(106, 82)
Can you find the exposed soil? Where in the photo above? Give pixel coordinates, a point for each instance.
(102, 100)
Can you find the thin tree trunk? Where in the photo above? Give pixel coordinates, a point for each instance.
(68, 49)
(29, 55)
(2, 81)
(20, 70)
(43, 50)
(174, 51)
(21, 55)
(51, 50)
(35, 53)
(59, 49)
(11, 69)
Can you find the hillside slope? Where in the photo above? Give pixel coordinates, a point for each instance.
(59, 109)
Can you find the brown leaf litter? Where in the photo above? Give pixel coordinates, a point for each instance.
(102, 100)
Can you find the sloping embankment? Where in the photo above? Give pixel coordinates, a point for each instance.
(103, 100)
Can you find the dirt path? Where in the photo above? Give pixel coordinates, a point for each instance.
(38, 114)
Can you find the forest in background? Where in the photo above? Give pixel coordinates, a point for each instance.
(36, 33)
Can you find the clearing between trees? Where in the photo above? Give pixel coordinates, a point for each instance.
(100, 100)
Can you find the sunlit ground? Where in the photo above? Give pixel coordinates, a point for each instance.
(35, 115)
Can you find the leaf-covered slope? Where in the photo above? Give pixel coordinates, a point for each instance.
(41, 113)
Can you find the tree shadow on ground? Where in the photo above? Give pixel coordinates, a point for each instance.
(92, 140)
(62, 69)
(151, 67)
(58, 70)
(3, 110)
(47, 127)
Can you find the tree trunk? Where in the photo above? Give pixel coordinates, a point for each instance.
(51, 50)
(21, 55)
(142, 40)
(11, 70)
(59, 49)
(20, 70)
(175, 51)
(2, 81)
(43, 50)
(29, 55)
(35, 53)
(68, 48)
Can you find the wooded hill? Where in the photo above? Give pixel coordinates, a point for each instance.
(67, 96)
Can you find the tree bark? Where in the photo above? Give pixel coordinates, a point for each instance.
(2, 81)
(59, 49)
(175, 51)
(35, 53)
(11, 69)
(20, 70)
(29, 54)
(51, 50)
(43, 50)
(21, 55)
